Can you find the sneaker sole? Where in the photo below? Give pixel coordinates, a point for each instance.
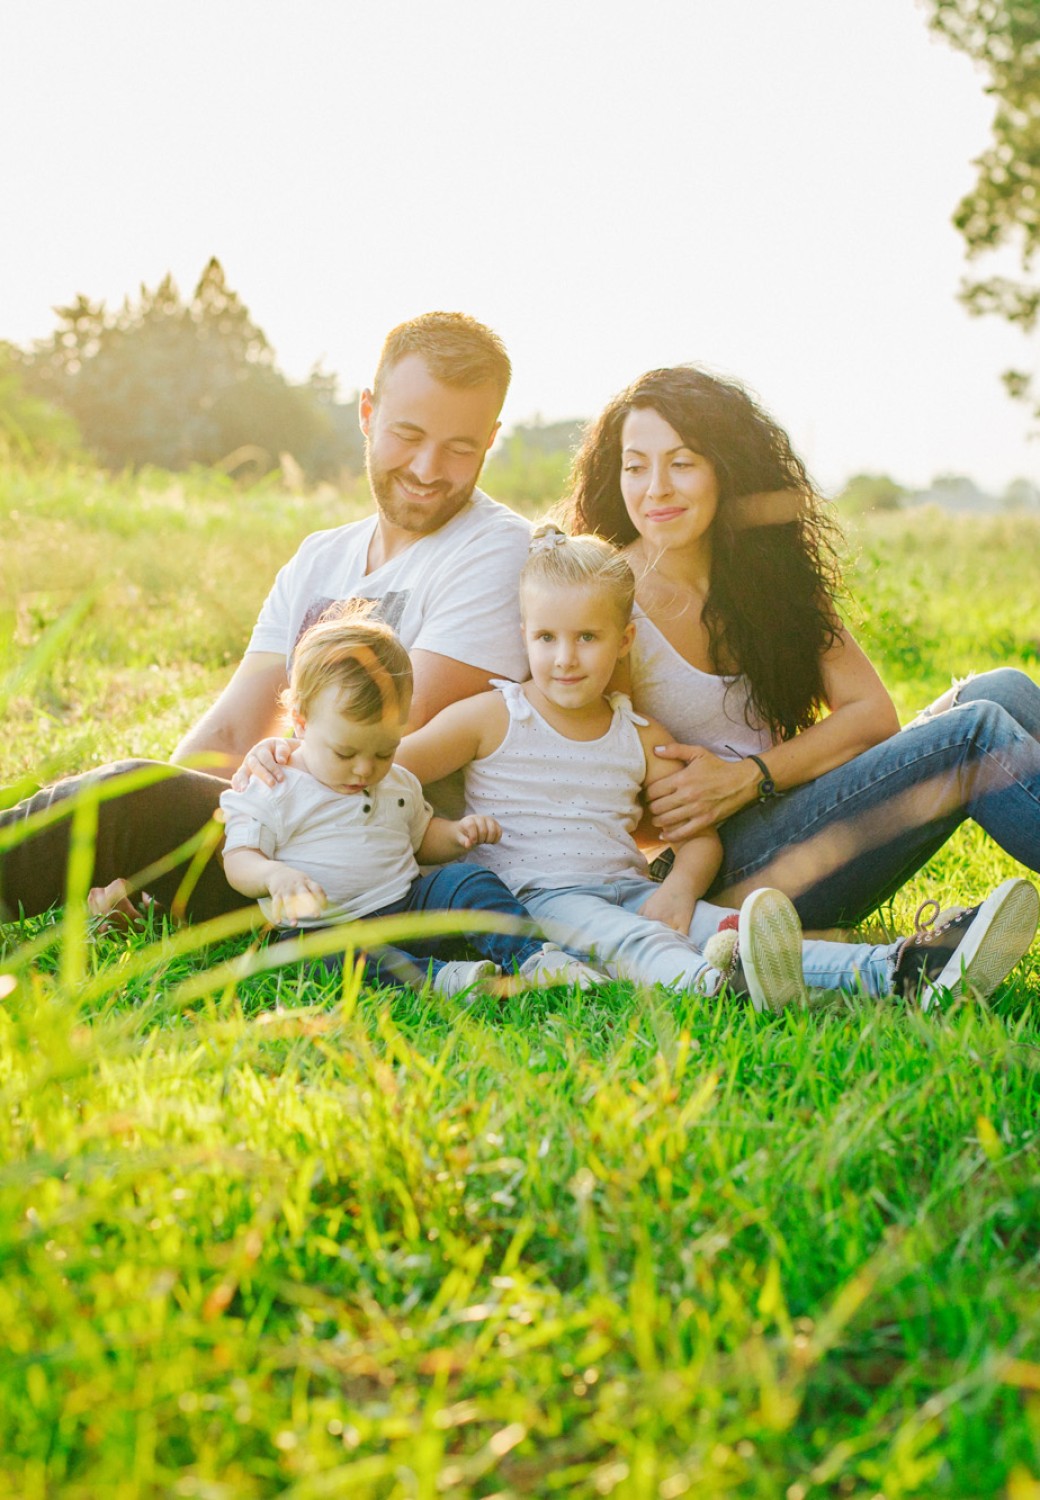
(770, 949)
(998, 939)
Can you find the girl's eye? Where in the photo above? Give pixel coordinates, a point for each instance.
(588, 635)
(631, 468)
(345, 754)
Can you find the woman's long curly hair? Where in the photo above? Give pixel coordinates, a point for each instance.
(770, 611)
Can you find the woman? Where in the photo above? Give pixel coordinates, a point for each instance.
(740, 648)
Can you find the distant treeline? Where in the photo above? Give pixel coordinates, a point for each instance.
(173, 381)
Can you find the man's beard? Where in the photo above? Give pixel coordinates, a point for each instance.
(418, 516)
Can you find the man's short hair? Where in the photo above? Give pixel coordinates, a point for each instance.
(456, 349)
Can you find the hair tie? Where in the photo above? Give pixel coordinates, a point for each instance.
(545, 539)
(767, 508)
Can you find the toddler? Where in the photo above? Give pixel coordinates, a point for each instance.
(340, 837)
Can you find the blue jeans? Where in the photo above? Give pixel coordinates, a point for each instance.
(454, 887)
(603, 922)
(844, 843)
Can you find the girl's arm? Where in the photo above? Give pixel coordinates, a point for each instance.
(293, 894)
(707, 789)
(462, 732)
(697, 859)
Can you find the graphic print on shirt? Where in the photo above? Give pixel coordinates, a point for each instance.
(389, 608)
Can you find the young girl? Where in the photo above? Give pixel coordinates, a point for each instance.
(340, 836)
(562, 764)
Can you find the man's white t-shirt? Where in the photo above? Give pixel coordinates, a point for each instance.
(453, 591)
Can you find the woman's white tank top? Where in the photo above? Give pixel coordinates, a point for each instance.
(696, 707)
(567, 807)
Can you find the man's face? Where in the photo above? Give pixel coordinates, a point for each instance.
(425, 445)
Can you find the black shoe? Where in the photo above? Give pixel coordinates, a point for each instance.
(975, 949)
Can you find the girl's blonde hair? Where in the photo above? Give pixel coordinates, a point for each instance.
(359, 656)
(555, 558)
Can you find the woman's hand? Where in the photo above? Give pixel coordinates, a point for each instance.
(702, 794)
(265, 762)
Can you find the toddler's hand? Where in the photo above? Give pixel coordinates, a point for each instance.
(295, 897)
(265, 762)
(473, 829)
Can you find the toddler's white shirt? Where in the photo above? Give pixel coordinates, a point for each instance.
(359, 847)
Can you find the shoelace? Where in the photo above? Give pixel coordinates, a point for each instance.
(936, 920)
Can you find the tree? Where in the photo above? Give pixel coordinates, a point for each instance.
(172, 382)
(1003, 208)
(867, 492)
(30, 426)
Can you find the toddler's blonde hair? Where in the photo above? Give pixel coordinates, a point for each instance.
(359, 656)
(582, 561)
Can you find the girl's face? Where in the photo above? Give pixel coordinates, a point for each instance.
(575, 638)
(343, 753)
(670, 491)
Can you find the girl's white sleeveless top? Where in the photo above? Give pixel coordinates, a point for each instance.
(696, 707)
(567, 807)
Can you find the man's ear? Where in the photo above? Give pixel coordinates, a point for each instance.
(366, 406)
(627, 638)
(494, 435)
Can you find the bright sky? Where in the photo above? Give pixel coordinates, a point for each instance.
(761, 186)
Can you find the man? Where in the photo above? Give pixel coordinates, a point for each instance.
(440, 558)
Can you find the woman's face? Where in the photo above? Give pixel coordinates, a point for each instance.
(670, 490)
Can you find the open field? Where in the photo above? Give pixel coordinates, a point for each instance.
(260, 1237)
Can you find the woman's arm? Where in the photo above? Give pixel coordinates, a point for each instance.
(707, 790)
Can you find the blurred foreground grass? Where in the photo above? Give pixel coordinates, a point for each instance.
(289, 1238)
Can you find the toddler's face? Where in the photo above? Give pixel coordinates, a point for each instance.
(574, 638)
(343, 753)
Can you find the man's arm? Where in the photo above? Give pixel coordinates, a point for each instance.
(440, 680)
(246, 711)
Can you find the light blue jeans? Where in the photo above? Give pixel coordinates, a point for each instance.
(602, 922)
(841, 845)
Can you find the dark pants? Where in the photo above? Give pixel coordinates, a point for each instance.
(454, 887)
(135, 830)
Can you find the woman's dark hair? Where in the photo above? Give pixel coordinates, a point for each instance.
(770, 611)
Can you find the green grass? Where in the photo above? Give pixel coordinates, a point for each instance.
(264, 1235)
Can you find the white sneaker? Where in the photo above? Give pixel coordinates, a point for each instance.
(550, 966)
(769, 951)
(461, 974)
